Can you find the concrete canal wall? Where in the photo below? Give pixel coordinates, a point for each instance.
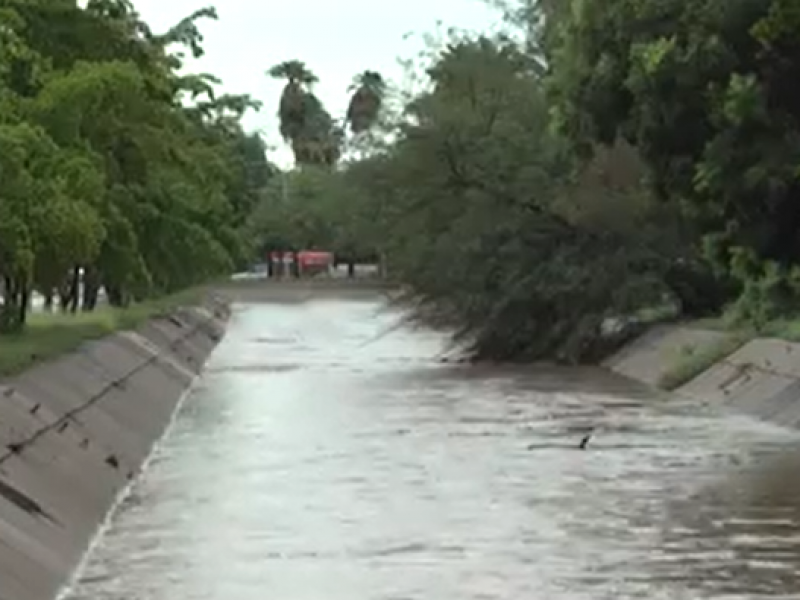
(75, 431)
(651, 356)
(761, 378)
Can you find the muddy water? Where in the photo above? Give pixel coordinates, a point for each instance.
(327, 455)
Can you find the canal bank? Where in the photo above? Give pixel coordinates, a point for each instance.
(759, 377)
(76, 430)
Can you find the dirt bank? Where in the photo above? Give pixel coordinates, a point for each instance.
(761, 378)
(76, 430)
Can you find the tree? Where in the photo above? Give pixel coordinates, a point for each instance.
(294, 107)
(701, 90)
(369, 90)
(604, 159)
(116, 169)
(314, 137)
(478, 214)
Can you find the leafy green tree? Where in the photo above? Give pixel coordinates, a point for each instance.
(605, 159)
(480, 211)
(117, 169)
(700, 89)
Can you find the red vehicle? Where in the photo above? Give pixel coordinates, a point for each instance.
(304, 263)
(314, 262)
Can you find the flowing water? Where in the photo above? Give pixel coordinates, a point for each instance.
(327, 455)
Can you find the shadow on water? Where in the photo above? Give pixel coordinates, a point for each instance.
(320, 457)
(741, 533)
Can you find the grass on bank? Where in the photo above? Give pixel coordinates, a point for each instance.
(49, 335)
(694, 360)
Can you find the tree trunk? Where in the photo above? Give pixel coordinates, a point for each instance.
(24, 302)
(91, 288)
(12, 313)
(6, 310)
(351, 269)
(63, 295)
(75, 290)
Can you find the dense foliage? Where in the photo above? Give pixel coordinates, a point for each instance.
(605, 159)
(118, 170)
(707, 92)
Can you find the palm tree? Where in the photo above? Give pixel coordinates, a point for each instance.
(319, 142)
(294, 105)
(305, 124)
(369, 91)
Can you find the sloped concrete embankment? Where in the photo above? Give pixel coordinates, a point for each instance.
(75, 431)
(649, 357)
(761, 379)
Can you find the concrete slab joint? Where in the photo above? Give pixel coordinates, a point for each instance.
(75, 431)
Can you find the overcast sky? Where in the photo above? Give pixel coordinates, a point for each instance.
(337, 39)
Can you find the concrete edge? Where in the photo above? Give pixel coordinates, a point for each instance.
(124, 493)
(760, 379)
(115, 397)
